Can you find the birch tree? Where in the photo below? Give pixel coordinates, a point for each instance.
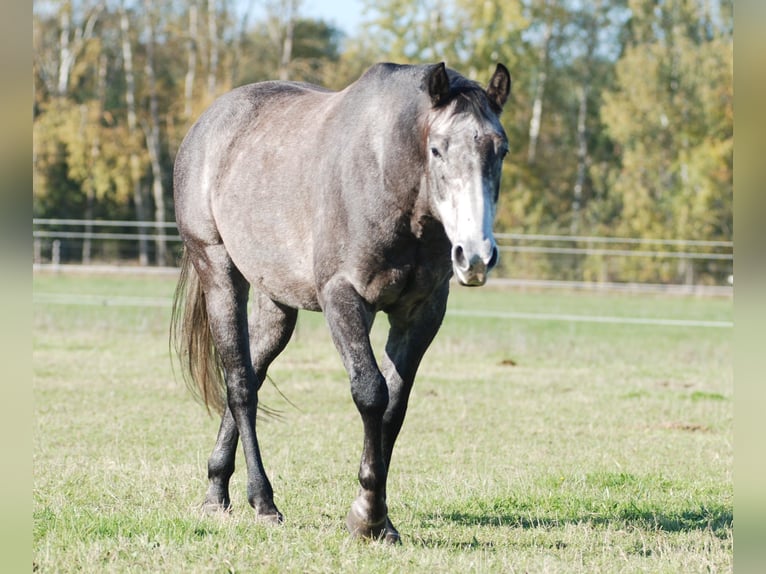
(89, 184)
(212, 38)
(132, 120)
(72, 40)
(191, 60)
(541, 78)
(152, 133)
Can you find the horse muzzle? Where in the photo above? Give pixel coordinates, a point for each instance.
(472, 267)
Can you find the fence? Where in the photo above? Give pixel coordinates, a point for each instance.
(618, 260)
(58, 241)
(669, 265)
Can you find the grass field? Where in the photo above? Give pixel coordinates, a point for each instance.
(530, 445)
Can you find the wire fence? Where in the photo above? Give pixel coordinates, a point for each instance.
(532, 260)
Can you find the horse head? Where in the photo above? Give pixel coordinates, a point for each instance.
(465, 147)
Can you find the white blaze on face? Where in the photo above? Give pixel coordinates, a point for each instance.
(463, 199)
(468, 214)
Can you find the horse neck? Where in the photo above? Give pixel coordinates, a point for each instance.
(394, 131)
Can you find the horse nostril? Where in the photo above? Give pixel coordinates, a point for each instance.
(458, 257)
(493, 258)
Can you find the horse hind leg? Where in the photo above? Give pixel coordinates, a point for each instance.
(220, 466)
(270, 328)
(226, 297)
(271, 325)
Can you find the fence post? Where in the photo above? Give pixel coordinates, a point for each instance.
(56, 254)
(86, 244)
(689, 272)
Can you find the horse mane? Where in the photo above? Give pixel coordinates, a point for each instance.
(466, 95)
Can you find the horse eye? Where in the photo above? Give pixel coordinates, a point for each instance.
(435, 152)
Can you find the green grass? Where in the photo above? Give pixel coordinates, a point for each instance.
(529, 446)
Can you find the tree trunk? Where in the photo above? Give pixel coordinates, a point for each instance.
(152, 134)
(238, 41)
(212, 30)
(593, 20)
(135, 161)
(68, 51)
(287, 40)
(582, 159)
(191, 61)
(537, 106)
(88, 187)
(65, 52)
(95, 153)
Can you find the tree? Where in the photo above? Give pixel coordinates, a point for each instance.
(152, 132)
(619, 122)
(132, 125)
(671, 114)
(118, 84)
(671, 117)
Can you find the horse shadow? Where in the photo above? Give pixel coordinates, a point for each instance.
(717, 519)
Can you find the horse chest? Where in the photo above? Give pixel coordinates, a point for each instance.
(402, 285)
(386, 286)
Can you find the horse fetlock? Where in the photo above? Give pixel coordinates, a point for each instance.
(218, 493)
(372, 479)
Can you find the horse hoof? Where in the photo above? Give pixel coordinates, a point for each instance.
(392, 534)
(381, 531)
(215, 508)
(272, 519)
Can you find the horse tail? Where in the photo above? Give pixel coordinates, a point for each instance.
(190, 337)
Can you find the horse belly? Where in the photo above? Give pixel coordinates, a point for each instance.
(270, 243)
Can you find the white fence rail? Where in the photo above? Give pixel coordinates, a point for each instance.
(65, 242)
(687, 244)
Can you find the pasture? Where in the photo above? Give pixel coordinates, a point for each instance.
(530, 445)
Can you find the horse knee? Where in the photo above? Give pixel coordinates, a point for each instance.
(370, 394)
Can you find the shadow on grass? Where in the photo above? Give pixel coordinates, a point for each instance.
(718, 519)
(441, 542)
(684, 522)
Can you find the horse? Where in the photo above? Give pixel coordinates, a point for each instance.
(351, 202)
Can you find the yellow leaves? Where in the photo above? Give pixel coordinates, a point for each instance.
(671, 115)
(93, 150)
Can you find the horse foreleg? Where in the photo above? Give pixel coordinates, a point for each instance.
(350, 319)
(411, 333)
(409, 337)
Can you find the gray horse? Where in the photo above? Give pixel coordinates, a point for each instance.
(349, 203)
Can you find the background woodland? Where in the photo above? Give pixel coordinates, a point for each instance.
(620, 121)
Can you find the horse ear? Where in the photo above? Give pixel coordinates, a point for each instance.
(499, 87)
(437, 83)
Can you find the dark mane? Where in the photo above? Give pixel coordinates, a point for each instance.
(466, 95)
